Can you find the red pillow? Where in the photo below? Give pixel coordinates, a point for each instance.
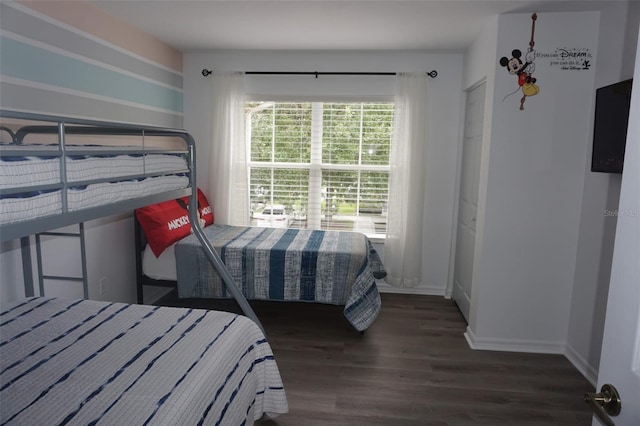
(164, 224)
(206, 212)
(168, 222)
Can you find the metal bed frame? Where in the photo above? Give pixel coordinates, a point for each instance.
(68, 126)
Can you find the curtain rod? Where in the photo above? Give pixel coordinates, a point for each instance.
(206, 72)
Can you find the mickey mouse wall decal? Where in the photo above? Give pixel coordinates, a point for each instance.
(523, 69)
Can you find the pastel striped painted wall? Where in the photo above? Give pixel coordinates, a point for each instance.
(69, 58)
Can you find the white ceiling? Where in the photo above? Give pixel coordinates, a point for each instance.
(433, 25)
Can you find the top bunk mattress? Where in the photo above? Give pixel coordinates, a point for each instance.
(28, 170)
(32, 171)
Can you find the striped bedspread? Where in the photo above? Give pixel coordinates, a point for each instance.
(287, 264)
(87, 362)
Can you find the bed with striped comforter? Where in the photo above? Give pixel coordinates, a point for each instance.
(89, 362)
(334, 267)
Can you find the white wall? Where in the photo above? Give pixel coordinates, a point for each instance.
(11, 283)
(480, 57)
(617, 34)
(444, 115)
(531, 187)
(110, 261)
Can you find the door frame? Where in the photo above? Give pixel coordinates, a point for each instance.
(458, 184)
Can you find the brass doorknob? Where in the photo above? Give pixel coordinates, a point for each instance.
(605, 403)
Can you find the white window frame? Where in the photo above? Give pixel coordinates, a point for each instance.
(316, 166)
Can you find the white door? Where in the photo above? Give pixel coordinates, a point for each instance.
(620, 358)
(468, 198)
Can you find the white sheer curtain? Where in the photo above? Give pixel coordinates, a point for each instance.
(403, 244)
(228, 172)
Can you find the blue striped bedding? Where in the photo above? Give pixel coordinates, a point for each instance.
(88, 362)
(333, 267)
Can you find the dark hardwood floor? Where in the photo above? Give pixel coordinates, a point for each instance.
(412, 367)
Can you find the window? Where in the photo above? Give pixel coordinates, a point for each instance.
(325, 164)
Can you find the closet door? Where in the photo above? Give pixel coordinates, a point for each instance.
(468, 198)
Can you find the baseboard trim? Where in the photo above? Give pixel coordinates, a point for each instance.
(590, 373)
(383, 287)
(512, 345)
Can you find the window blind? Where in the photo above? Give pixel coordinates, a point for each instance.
(326, 163)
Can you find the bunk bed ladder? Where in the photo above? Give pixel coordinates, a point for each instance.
(42, 276)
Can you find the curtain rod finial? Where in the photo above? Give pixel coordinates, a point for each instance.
(432, 73)
(206, 72)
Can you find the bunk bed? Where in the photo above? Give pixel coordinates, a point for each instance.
(93, 362)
